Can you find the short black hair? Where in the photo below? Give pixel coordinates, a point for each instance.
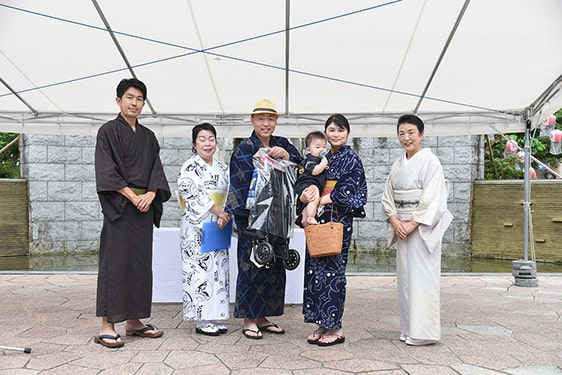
(314, 135)
(198, 128)
(126, 83)
(411, 119)
(339, 120)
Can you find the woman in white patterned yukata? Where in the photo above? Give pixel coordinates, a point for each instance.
(344, 195)
(203, 184)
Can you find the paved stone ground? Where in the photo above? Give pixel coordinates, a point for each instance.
(489, 325)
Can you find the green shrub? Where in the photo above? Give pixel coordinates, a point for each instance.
(498, 166)
(9, 158)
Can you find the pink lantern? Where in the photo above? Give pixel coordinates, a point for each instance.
(532, 173)
(556, 142)
(511, 147)
(556, 136)
(549, 121)
(521, 156)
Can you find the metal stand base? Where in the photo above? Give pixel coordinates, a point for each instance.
(24, 350)
(525, 273)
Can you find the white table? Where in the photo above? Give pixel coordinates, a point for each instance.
(167, 272)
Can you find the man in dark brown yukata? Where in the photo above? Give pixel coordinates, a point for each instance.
(131, 187)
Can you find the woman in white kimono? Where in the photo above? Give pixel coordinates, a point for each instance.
(415, 204)
(203, 183)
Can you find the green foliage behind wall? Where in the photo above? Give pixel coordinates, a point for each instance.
(497, 166)
(9, 158)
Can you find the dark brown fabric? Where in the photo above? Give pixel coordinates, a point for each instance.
(125, 267)
(127, 158)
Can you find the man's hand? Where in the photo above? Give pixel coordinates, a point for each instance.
(279, 153)
(143, 201)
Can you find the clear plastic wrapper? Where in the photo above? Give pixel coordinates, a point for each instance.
(271, 198)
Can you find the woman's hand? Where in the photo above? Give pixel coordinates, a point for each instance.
(309, 194)
(398, 227)
(403, 228)
(277, 152)
(223, 220)
(222, 217)
(410, 226)
(325, 199)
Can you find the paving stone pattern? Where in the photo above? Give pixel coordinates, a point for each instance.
(489, 327)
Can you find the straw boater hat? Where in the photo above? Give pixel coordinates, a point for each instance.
(265, 106)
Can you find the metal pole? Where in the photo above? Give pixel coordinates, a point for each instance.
(525, 270)
(526, 191)
(25, 350)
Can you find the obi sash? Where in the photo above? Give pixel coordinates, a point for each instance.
(406, 201)
(329, 186)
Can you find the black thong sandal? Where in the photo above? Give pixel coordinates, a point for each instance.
(258, 335)
(316, 335)
(338, 340)
(142, 332)
(267, 328)
(100, 339)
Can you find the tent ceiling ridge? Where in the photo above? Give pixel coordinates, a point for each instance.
(473, 85)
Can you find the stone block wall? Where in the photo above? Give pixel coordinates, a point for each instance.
(462, 159)
(65, 215)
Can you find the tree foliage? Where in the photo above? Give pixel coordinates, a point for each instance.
(9, 158)
(501, 166)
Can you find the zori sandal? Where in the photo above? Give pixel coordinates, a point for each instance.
(269, 327)
(256, 336)
(101, 340)
(338, 340)
(142, 332)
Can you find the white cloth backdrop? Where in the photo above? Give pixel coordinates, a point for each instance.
(167, 273)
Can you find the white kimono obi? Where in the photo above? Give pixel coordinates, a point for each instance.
(406, 201)
(417, 190)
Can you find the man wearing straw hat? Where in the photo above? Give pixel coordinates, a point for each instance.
(260, 292)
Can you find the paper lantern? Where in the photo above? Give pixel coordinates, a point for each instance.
(511, 147)
(556, 135)
(532, 173)
(556, 142)
(549, 121)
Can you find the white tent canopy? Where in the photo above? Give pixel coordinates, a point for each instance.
(466, 67)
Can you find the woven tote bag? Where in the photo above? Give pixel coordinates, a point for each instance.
(323, 240)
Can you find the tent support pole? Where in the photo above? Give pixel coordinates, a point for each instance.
(120, 49)
(525, 270)
(526, 191)
(287, 51)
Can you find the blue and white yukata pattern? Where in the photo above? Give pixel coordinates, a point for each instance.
(260, 292)
(324, 278)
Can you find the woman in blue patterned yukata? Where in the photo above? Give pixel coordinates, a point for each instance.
(345, 193)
